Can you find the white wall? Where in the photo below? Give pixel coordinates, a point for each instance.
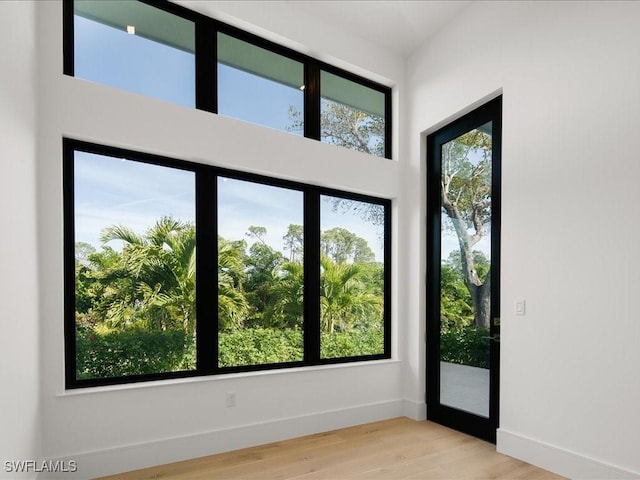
(19, 358)
(123, 428)
(569, 72)
(570, 386)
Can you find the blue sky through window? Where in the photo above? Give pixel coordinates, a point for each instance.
(257, 100)
(111, 56)
(113, 191)
(243, 204)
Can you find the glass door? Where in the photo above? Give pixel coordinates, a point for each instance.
(463, 255)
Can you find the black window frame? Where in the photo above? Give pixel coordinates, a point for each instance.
(206, 200)
(206, 59)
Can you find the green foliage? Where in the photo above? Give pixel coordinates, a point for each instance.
(346, 298)
(466, 202)
(151, 282)
(343, 246)
(351, 128)
(135, 307)
(460, 341)
(456, 304)
(272, 285)
(255, 346)
(132, 351)
(480, 262)
(369, 341)
(232, 302)
(294, 242)
(465, 346)
(346, 126)
(466, 165)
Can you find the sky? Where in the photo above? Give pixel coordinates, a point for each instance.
(148, 67)
(114, 191)
(110, 191)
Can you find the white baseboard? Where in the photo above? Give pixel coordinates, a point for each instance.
(142, 455)
(415, 410)
(557, 460)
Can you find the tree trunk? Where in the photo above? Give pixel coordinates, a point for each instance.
(481, 296)
(480, 292)
(471, 199)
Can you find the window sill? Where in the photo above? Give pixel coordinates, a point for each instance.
(221, 377)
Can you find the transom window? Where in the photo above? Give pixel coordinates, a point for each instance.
(135, 47)
(168, 52)
(259, 86)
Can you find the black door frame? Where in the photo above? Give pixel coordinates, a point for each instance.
(478, 426)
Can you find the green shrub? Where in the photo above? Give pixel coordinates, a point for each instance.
(255, 346)
(352, 343)
(136, 351)
(466, 346)
(132, 351)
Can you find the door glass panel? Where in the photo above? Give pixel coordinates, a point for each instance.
(465, 257)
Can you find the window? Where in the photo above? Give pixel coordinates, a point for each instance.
(352, 281)
(166, 51)
(285, 274)
(133, 259)
(352, 115)
(260, 273)
(259, 86)
(135, 47)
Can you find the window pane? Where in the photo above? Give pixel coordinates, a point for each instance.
(260, 273)
(136, 47)
(351, 115)
(259, 86)
(135, 267)
(351, 278)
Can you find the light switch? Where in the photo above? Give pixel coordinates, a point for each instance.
(521, 307)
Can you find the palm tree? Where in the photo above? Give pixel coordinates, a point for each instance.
(154, 279)
(345, 297)
(288, 280)
(232, 303)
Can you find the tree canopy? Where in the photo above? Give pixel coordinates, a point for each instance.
(136, 303)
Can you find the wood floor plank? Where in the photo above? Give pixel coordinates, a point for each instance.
(396, 449)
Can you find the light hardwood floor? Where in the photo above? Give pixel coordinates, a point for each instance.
(395, 449)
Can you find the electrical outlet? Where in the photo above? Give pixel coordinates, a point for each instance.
(231, 399)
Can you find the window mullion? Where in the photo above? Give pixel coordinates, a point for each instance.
(206, 271)
(68, 53)
(206, 66)
(312, 100)
(312, 275)
(387, 125)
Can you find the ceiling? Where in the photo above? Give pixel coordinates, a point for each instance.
(400, 25)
